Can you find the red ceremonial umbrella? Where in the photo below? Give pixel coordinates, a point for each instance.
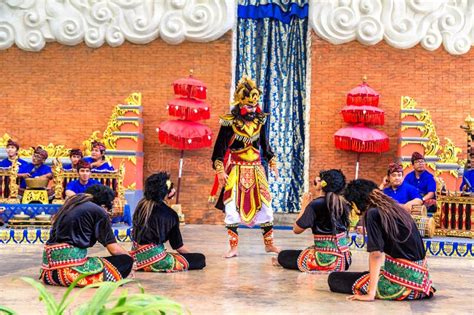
(185, 133)
(361, 109)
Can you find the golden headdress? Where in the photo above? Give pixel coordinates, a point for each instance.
(246, 92)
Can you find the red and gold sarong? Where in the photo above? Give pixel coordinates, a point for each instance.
(154, 258)
(247, 183)
(400, 279)
(329, 253)
(63, 263)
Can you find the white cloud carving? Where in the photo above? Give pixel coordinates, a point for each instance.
(30, 24)
(402, 23)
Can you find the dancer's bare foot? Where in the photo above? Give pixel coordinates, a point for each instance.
(272, 249)
(233, 252)
(275, 262)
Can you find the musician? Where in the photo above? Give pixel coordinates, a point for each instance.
(12, 154)
(97, 159)
(75, 155)
(37, 168)
(422, 180)
(394, 186)
(80, 185)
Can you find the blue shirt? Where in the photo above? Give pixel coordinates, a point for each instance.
(35, 172)
(403, 193)
(78, 188)
(425, 184)
(104, 168)
(67, 166)
(468, 178)
(21, 165)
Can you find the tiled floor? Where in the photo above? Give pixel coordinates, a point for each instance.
(248, 284)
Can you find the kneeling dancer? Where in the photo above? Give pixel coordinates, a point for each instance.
(154, 223)
(78, 225)
(397, 264)
(328, 218)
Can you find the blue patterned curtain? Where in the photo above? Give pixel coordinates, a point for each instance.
(272, 49)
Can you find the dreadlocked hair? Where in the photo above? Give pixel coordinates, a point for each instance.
(142, 215)
(70, 204)
(339, 210)
(156, 190)
(390, 211)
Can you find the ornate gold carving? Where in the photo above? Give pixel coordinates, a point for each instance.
(449, 155)
(58, 182)
(108, 139)
(121, 175)
(132, 186)
(433, 147)
(4, 140)
(408, 102)
(13, 186)
(469, 127)
(54, 151)
(132, 159)
(35, 195)
(134, 99)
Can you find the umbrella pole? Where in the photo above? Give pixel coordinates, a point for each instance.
(357, 166)
(180, 172)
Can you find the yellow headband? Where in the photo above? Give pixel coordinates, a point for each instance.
(168, 184)
(323, 183)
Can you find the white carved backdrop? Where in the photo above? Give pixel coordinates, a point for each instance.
(402, 23)
(30, 24)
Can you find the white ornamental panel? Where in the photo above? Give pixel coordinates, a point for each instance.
(401, 23)
(30, 24)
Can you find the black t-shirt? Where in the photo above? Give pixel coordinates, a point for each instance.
(378, 240)
(82, 227)
(163, 225)
(316, 216)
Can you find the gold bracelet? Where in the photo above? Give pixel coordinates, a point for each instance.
(218, 166)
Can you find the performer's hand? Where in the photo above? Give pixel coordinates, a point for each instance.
(384, 183)
(274, 169)
(222, 176)
(357, 297)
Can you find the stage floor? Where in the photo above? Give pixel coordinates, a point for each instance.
(248, 284)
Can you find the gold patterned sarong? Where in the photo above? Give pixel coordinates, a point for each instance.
(247, 183)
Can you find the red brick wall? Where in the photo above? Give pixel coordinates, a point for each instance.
(62, 94)
(441, 83)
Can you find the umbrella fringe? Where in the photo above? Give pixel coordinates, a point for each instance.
(188, 113)
(355, 117)
(183, 143)
(362, 99)
(371, 146)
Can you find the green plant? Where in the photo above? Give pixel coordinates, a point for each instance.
(103, 302)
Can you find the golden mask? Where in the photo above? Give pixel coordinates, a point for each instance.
(246, 92)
